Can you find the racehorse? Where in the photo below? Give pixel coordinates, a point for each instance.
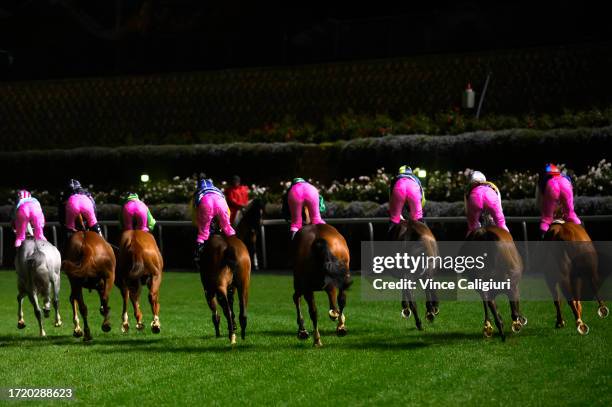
(321, 262)
(576, 264)
(504, 263)
(38, 265)
(225, 267)
(139, 262)
(410, 230)
(247, 226)
(89, 263)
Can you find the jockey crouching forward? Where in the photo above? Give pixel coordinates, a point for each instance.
(555, 188)
(405, 189)
(301, 194)
(208, 204)
(27, 212)
(76, 201)
(135, 215)
(482, 196)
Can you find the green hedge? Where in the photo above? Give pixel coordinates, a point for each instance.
(187, 108)
(269, 163)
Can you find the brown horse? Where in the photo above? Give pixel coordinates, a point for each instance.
(410, 230)
(225, 266)
(504, 264)
(576, 265)
(139, 262)
(248, 223)
(321, 262)
(89, 262)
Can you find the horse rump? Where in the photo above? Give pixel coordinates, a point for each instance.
(335, 270)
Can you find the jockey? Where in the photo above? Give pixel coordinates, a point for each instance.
(208, 203)
(482, 196)
(299, 195)
(27, 211)
(555, 188)
(237, 196)
(78, 201)
(406, 188)
(134, 210)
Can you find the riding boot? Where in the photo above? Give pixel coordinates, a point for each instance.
(392, 231)
(422, 220)
(196, 254)
(96, 228)
(293, 232)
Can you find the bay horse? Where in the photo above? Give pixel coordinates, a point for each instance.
(504, 263)
(38, 265)
(89, 262)
(411, 230)
(576, 265)
(139, 262)
(321, 262)
(247, 226)
(225, 267)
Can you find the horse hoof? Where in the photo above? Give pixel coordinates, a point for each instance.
(303, 335)
(125, 328)
(20, 324)
(87, 338)
(603, 312)
(436, 311)
(341, 331)
(560, 324)
(333, 315)
(523, 320)
(101, 310)
(517, 326)
(582, 328)
(317, 343)
(106, 327)
(77, 333)
(58, 324)
(46, 312)
(487, 331)
(155, 329)
(139, 326)
(232, 339)
(406, 313)
(43, 334)
(430, 316)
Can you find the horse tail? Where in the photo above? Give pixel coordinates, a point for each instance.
(230, 258)
(335, 270)
(137, 265)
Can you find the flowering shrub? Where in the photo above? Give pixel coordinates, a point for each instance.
(444, 186)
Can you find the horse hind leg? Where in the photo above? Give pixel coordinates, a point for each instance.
(154, 284)
(498, 322)
(224, 302)
(83, 310)
(333, 307)
(341, 328)
(409, 308)
(230, 301)
(20, 322)
(312, 310)
(104, 292)
(37, 311)
(243, 311)
(55, 285)
(135, 299)
(216, 319)
(302, 332)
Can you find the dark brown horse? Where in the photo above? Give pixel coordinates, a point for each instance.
(89, 262)
(139, 262)
(576, 265)
(413, 231)
(247, 226)
(321, 262)
(225, 267)
(503, 264)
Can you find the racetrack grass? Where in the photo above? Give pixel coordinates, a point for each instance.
(382, 360)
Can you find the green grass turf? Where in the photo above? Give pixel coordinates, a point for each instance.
(382, 360)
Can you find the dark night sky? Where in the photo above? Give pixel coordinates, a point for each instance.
(68, 38)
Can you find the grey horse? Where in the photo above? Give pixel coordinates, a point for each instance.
(38, 265)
